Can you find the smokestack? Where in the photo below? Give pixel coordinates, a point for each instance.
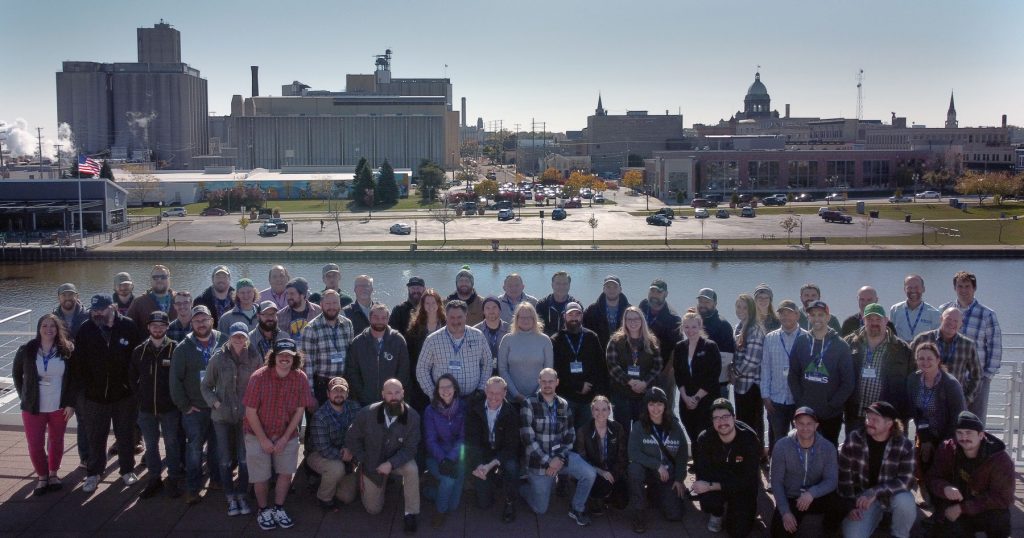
(255, 80)
(787, 110)
(463, 111)
(1004, 121)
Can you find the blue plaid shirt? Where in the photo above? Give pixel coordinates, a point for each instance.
(327, 432)
(775, 365)
(981, 325)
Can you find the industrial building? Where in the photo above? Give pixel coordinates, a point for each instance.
(34, 205)
(154, 109)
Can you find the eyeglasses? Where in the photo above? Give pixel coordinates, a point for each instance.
(721, 418)
(159, 277)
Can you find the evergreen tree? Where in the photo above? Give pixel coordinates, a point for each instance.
(431, 178)
(387, 189)
(363, 184)
(360, 165)
(105, 171)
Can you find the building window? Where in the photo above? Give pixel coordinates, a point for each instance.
(763, 174)
(721, 176)
(876, 173)
(803, 174)
(840, 174)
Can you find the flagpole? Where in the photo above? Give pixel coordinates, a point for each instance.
(81, 221)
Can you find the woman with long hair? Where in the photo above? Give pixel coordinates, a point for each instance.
(42, 379)
(766, 316)
(428, 318)
(634, 362)
(745, 370)
(523, 353)
(601, 442)
(936, 399)
(657, 454)
(698, 365)
(445, 435)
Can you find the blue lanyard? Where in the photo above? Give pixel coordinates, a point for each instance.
(492, 335)
(604, 448)
(456, 348)
(380, 346)
(205, 350)
(575, 349)
(929, 392)
(825, 344)
(47, 357)
(913, 326)
(782, 340)
(552, 412)
(871, 354)
(947, 354)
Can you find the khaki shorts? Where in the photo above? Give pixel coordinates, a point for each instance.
(261, 465)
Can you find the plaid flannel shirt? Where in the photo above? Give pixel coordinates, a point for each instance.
(981, 325)
(775, 361)
(871, 387)
(960, 359)
(275, 400)
(471, 366)
(896, 474)
(327, 432)
(325, 348)
(543, 438)
(619, 363)
(746, 362)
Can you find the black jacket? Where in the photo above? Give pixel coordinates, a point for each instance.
(366, 370)
(734, 466)
(103, 366)
(720, 331)
(665, 326)
(550, 312)
(707, 367)
(208, 300)
(595, 369)
(618, 444)
(151, 376)
(506, 444)
(355, 314)
(401, 315)
(26, 378)
(595, 318)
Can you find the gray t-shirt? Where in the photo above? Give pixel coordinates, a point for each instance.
(521, 357)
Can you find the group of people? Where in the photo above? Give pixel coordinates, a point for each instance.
(524, 397)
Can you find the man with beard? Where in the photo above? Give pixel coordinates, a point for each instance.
(278, 278)
(881, 364)
(981, 326)
(182, 324)
(159, 297)
(377, 354)
(550, 308)
(821, 373)
(328, 453)
(458, 350)
(403, 313)
(725, 462)
(123, 296)
(514, 294)
(245, 309)
(579, 362)
(604, 316)
(865, 296)
(383, 438)
(664, 322)
(972, 482)
(220, 296)
(913, 316)
(720, 332)
(266, 331)
(464, 291)
(188, 368)
(811, 293)
(325, 345)
(331, 275)
(876, 470)
(300, 311)
(101, 363)
(959, 354)
(359, 311)
(69, 309)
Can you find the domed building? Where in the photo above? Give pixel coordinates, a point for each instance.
(757, 103)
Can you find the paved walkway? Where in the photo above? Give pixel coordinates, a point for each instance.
(114, 510)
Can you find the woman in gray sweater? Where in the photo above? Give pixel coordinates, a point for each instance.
(523, 353)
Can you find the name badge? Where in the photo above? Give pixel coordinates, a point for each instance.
(816, 378)
(576, 367)
(338, 357)
(202, 375)
(633, 371)
(785, 371)
(45, 381)
(922, 425)
(555, 447)
(869, 373)
(455, 366)
(166, 363)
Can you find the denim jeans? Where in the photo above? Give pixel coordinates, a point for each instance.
(904, 514)
(449, 490)
(198, 432)
(779, 422)
(231, 448)
(509, 470)
(537, 492)
(154, 426)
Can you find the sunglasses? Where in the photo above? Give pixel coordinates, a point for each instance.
(159, 277)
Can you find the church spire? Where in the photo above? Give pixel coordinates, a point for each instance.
(951, 122)
(600, 109)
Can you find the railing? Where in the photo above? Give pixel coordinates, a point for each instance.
(120, 231)
(16, 327)
(1006, 398)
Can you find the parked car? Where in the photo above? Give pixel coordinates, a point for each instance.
(558, 214)
(599, 198)
(282, 226)
(573, 203)
(400, 228)
(745, 198)
(175, 212)
(901, 199)
(505, 214)
(822, 210)
(836, 197)
(213, 212)
(747, 211)
(703, 202)
(804, 197)
(700, 213)
(667, 212)
(777, 199)
(722, 214)
(469, 207)
(715, 198)
(659, 220)
(929, 194)
(836, 216)
(268, 229)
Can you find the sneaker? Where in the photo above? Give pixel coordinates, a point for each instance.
(282, 519)
(265, 519)
(715, 524)
(129, 479)
(243, 506)
(409, 524)
(639, 522)
(151, 489)
(233, 508)
(90, 483)
(54, 484)
(328, 506)
(509, 513)
(581, 518)
(42, 487)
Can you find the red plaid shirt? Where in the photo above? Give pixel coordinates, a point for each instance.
(275, 399)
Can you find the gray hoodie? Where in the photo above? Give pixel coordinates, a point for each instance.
(795, 469)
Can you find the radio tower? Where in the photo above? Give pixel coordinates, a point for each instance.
(860, 94)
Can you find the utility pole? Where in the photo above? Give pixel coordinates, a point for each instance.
(39, 137)
(59, 174)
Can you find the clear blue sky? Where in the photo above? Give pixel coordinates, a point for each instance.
(548, 60)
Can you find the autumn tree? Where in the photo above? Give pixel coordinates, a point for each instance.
(551, 175)
(487, 188)
(577, 181)
(243, 223)
(789, 224)
(633, 179)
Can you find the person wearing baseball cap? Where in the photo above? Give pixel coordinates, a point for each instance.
(720, 332)
(779, 347)
(580, 362)
(804, 477)
(876, 463)
(403, 313)
(266, 331)
(70, 309)
(810, 293)
(821, 374)
(327, 453)
(865, 295)
(972, 482)
(245, 310)
(299, 312)
(158, 416)
(882, 364)
(159, 296)
(331, 275)
(465, 291)
(220, 296)
(664, 322)
(222, 390)
(123, 296)
(726, 461)
(604, 315)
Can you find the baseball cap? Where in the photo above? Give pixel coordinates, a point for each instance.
(244, 283)
(723, 403)
(337, 382)
(330, 268)
(805, 411)
(285, 345)
(874, 309)
(159, 316)
(659, 284)
(122, 278)
(268, 304)
(415, 281)
(66, 288)
(884, 409)
(238, 328)
(787, 305)
(221, 269)
(612, 278)
(200, 309)
(100, 301)
(573, 305)
(708, 293)
(817, 304)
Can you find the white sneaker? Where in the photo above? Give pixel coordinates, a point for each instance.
(715, 524)
(90, 483)
(129, 479)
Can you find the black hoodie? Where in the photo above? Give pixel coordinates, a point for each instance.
(595, 318)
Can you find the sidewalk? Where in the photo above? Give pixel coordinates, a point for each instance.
(114, 510)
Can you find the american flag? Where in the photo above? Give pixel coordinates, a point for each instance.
(87, 166)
